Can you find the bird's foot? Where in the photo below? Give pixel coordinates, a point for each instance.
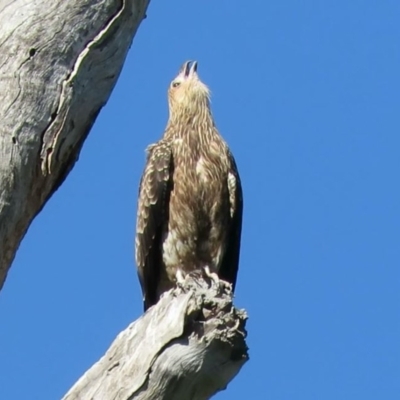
(220, 285)
(180, 280)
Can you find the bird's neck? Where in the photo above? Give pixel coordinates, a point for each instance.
(185, 123)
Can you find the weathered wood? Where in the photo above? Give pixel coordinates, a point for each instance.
(188, 346)
(59, 63)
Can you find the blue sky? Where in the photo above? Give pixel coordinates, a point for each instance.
(306, 93)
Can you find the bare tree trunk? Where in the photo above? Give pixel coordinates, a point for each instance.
(188, 346)
(60, 60)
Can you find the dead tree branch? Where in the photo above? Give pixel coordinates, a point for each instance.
(59, 63)
(189, 346)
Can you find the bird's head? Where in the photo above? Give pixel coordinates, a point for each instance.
(187, 93)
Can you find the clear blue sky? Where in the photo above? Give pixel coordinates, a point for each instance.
(306, 93)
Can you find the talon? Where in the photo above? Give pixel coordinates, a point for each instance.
(180, 280)
(212, 275)
(215, 281)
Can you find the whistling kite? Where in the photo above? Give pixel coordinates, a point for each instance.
(190, 198)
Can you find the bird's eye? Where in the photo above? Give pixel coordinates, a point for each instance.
(175, 84)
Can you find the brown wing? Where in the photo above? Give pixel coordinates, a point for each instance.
(154, 190)
(230, 263)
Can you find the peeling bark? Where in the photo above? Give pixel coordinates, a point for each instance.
(59, 62)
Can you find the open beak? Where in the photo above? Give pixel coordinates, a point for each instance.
(189, 69)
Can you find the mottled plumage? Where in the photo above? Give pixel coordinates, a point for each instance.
(190, 196)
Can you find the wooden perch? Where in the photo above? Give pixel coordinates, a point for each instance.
(59, 63)
(188, 346)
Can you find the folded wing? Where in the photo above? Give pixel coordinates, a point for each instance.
(154, 191)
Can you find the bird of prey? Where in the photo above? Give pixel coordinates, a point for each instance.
(190, 204)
